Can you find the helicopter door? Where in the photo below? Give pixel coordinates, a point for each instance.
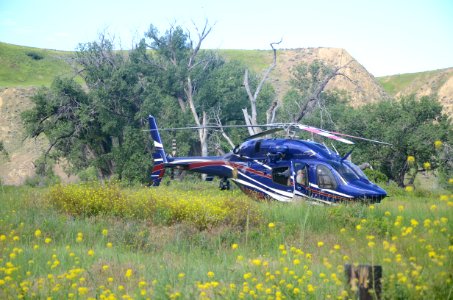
(284, 177)
(301, 178)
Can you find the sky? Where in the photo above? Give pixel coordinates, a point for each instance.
(386, 36)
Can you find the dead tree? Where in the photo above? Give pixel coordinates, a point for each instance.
(314, 99)
(250, 120)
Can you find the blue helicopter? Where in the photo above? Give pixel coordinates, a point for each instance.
(279, 168)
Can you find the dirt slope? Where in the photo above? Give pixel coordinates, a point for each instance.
(18, 164)
(367, 89)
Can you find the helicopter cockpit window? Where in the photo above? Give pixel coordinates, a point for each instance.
(281, 175)
(326, 180)
(346, 171)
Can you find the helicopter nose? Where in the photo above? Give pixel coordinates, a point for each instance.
(369, 191)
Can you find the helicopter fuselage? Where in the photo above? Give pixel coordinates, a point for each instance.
(286, 170)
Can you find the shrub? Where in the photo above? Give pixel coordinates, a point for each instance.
(35, 55)
(161, 206)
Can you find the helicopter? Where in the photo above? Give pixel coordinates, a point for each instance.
(282, 169)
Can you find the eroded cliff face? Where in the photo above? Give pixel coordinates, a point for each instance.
(17, 164)
(365, 90)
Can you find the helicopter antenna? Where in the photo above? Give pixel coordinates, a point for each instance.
(333, 146)
(328, 150)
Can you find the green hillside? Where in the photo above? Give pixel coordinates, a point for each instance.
(257, 60)
(26, 66)
(412, 82)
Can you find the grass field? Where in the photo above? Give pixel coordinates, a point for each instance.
(189, 241)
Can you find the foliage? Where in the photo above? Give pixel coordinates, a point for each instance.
(155, 205)
(292, 251)
(35, 55)
(305, 82)
(411, 125)
(101, 124)
(375, 175)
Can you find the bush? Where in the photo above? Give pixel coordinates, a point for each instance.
(35, 55)
(161, 206)
(376, 176)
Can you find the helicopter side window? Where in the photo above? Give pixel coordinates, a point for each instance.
(281, 175)
(326, 180)
(302, 176)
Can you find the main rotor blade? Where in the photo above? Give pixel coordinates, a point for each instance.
(216, 127)
(361, 138)
(266, 132)
(324, 133)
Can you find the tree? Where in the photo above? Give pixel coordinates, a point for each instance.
(411, 125)
(179, 56)
(88, 125)
(308, 83)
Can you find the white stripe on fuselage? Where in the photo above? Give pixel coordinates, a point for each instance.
(284, 193)
(273, 195)
(331, 191)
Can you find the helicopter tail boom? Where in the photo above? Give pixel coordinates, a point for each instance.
(159, 156)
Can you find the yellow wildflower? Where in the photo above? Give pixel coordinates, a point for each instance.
(271, 225)
(256, 262)
(128, 273)
(437, 144)
(105, 232)
(38, 233)
(410, 159)
(234, 246)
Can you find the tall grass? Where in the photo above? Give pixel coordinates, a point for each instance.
(287, 251)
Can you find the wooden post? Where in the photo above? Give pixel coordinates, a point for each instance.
(364, 280)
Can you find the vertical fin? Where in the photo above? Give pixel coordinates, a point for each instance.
(159, 156)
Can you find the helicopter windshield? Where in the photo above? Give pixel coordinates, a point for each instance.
(346, 171)
(356, 169)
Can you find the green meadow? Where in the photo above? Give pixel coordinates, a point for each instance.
(188, 240)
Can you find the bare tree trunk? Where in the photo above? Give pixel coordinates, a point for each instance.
(182, 105)
(219, 123)
(250, 120)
